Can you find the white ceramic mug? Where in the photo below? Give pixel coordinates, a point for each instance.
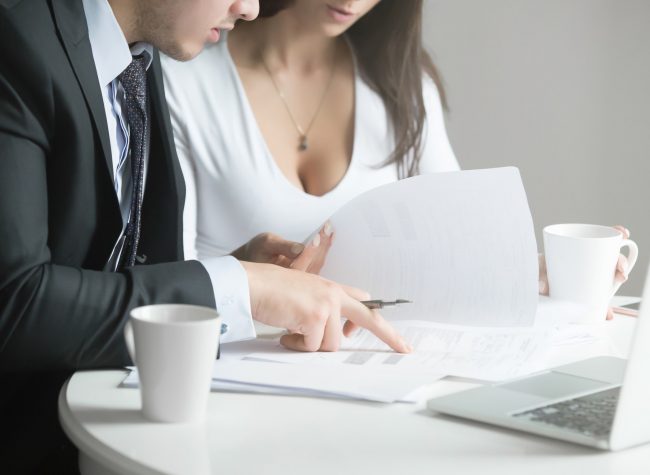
(581, 264)
(174, 348)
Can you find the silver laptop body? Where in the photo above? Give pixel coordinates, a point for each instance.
(602, 402)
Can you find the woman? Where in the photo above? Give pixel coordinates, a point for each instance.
(290, 116)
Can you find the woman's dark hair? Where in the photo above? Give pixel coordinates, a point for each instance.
(271, 7)
(388, 45)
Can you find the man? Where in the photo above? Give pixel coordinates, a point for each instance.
(90, 189)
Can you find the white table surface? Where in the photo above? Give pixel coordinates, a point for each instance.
(262, 434)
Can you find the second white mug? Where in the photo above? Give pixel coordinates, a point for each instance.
(581, 263)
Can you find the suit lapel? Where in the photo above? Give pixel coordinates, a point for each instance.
(160, 114)
(165, 190)
(71, 23)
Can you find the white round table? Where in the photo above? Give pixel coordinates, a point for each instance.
(263, 434)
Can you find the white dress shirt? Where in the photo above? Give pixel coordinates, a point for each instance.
(235, 189)
(112, 55)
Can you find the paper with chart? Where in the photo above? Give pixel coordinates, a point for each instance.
(488, 354)
(460, 245)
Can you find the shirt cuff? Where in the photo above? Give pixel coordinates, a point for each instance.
(232, 297)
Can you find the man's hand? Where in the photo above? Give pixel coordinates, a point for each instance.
(311, 308)
(619, 276)
(269, 248)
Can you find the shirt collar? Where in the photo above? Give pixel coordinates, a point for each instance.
(110, 50)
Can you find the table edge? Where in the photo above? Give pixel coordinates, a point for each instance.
(87, 443)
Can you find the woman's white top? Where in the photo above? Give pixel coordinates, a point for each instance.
(235, 189)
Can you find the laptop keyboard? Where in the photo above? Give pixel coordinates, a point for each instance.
(590, 415)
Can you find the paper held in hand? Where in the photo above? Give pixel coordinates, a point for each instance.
(460, 245)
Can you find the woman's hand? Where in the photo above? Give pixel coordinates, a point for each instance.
(620, 276)
(269, 248)
(313, 256)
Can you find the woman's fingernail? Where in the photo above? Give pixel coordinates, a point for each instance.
(622, 269)
(327, 229)
(297, 249)
(316, 241)
(542, 287)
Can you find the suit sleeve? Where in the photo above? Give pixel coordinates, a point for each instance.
(54, 316)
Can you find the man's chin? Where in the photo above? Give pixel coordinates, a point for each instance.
(181, 52)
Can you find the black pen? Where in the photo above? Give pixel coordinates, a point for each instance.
(375, 304)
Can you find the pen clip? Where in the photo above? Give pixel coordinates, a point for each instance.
(373, 304)
(378, 303)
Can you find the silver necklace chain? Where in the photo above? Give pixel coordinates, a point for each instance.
(303, 143)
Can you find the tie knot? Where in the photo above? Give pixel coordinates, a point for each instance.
(134, 77)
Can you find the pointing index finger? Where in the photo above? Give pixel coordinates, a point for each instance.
(371, 320)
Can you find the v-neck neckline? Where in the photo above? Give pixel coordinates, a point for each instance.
(241, 90)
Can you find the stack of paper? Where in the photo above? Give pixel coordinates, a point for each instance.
(233, 373)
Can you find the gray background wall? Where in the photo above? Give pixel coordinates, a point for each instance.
(561, 89)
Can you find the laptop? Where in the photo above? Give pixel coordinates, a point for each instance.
(602, 402)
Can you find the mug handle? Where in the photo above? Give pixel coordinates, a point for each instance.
(631, 260)
(129, 340)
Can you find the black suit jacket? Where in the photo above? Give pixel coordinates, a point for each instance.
(59, 213)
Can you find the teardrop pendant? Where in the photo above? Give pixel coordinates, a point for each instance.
(302, 146)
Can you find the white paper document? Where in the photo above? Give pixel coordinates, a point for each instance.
(488, 354)
(483, 353)
(378, 384)
(460, 245)
(235, 374)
